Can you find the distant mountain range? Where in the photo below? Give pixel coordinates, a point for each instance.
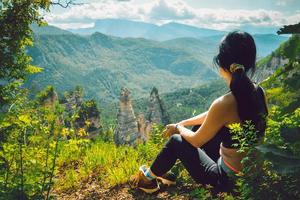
(126, 28)
(102, 64)
(266, 38)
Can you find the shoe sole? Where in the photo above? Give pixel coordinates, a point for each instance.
(166, 181)
(149, 191)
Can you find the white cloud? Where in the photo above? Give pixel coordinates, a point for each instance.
(161, 11)
(164, 11)
(294, 19)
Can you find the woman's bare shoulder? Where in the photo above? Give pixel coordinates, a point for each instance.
(226, 100)
(226, 107)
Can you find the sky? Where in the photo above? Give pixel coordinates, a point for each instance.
(214, 14)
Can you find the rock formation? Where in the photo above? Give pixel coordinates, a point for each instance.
(268, 69)
(131, 130)
(88, 114)
(89, 118)
(127, 131)
(47, 97)
(156, 111)
(74, 99)
(144, 127)
(52, 99)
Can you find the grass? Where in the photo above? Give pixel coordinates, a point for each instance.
(112, 165)
(83, 163)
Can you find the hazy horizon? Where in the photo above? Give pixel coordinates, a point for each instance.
(259, 16)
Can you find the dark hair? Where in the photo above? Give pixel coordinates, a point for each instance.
(238, 47)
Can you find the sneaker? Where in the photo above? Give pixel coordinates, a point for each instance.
(167, 179)
(140, 181)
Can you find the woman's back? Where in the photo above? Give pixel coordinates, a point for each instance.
(227, 151)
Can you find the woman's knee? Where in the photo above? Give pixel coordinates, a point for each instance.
(175, 140)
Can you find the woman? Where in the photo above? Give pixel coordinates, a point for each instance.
(207, 151)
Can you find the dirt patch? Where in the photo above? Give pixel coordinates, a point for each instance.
(93, 191)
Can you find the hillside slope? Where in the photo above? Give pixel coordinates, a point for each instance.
(289, 50)
(103, 64)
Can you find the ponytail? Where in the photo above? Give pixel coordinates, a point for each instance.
(243, 90)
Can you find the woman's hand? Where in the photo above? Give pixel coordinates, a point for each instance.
(170, 130)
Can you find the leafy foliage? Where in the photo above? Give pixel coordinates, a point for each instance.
(289, 29)
(29, 150)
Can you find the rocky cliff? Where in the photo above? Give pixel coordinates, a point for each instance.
(287, 51)
(131, 129)
(144, 126)
(127, 131)
(268, 67)
(89, 118)
(156, 110)
(47, 97)
(86, 112)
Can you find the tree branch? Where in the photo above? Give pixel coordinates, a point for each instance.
(65, 4)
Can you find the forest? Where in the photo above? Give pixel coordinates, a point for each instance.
(50, 147)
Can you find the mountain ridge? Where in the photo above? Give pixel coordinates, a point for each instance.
(106, 63)
(136, 29)
(102, 64)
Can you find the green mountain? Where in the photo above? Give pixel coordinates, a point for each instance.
(49, 30)
(287, 51)
(103, 64)
(176, 34)
(284, 85)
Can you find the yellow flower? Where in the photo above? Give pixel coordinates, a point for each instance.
(65, 132)
(87, 123)
(236, 127)
(82, 132)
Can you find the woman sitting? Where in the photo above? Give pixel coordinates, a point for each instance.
(207, 150)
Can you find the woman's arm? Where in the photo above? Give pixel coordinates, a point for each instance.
(196, 120)
(214, 120)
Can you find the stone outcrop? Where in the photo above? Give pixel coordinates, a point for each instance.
(89, 118)
(74, 99)
(127, 130)
(156, 110)
(52, 99)
(144, 127)
(131, 129)
(268, 69)
(47, 97)
(88, 114)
